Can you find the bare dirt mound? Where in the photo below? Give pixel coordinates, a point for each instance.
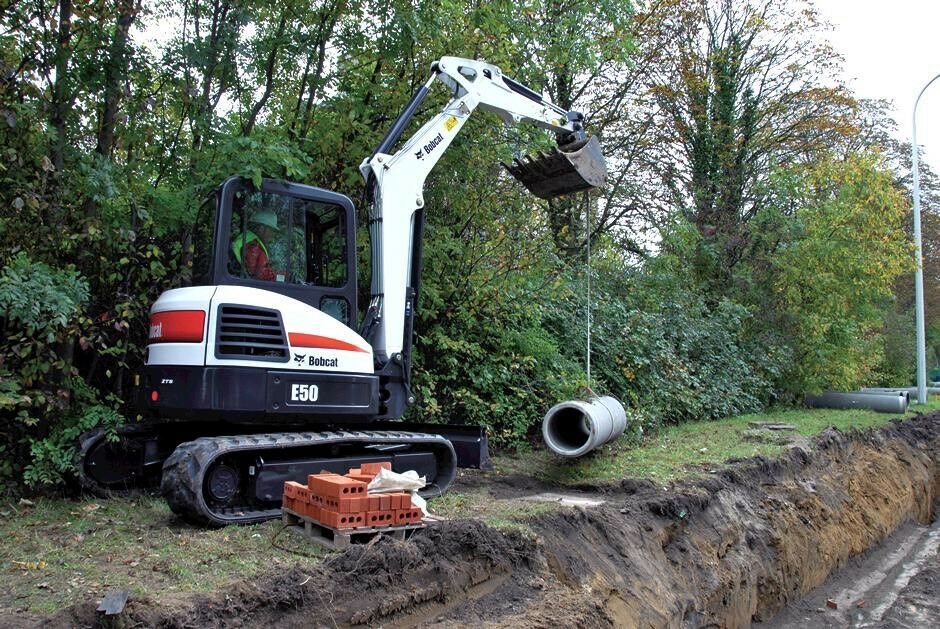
(725, 550)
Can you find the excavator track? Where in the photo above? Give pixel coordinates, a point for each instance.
(127, 480)
(184, 481)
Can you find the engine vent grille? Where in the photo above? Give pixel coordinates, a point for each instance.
(250, 333)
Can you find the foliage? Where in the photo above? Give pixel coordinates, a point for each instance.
(733, 156)
(40, 309)
(53, 456)
(661, 348)
(842, 248)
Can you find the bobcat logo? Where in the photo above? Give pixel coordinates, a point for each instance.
(299, 359)
(419, 154)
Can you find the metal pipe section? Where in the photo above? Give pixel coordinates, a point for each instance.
(576, 427)
(878, 402)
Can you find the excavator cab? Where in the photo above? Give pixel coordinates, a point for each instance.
(287, 238)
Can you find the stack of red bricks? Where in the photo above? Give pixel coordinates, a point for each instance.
(343, 502)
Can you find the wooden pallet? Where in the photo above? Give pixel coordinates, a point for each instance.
(339, 539)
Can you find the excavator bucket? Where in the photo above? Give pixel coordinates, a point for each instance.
(576, 168)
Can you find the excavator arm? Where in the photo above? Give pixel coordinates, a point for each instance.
(396, 182)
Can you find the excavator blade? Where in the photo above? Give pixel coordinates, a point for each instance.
(560, 172)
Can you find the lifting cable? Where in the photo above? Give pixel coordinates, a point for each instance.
(587, 239)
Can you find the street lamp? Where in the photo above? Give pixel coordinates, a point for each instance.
(919, 273)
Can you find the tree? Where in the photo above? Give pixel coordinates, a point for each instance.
(841, 249)
(745, 91)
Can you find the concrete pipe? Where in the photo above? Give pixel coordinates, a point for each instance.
(883, 390)
(912, 391)
(576, 427)
(879, 402)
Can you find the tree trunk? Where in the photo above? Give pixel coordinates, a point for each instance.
(115, 76)
(60, 96)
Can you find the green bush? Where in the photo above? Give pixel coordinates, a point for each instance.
(52, 457)
(668, 355)
(493, 369)
(44, 406)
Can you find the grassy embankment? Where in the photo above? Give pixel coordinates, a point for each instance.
(58, 551)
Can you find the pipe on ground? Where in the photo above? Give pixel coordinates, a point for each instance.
(879, 402)
(883, 390)
(576, 427)
(911, 390)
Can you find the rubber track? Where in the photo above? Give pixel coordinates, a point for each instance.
(184, 470)
(86, 442)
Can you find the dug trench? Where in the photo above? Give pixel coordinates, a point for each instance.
(727, 549)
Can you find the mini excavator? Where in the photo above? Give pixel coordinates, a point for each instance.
(256, 377)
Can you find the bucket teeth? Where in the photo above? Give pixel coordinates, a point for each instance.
(561, 172)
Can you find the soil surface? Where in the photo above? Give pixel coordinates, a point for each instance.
(729, 549)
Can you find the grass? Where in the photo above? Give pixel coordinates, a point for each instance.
(58, 551)
(479, 503)
(688, 448)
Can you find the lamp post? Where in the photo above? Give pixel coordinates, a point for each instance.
(919, 273)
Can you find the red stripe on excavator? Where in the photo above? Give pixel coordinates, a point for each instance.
(177, 326)
(298, 339)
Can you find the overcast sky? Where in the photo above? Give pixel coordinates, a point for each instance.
(891, 50)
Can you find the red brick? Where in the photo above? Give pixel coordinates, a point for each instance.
(373, 468)
(386, 501)
(299, 493)
(317, 482)
(354, 471)
(380, 518)
(362, 478)
(342, 505)
(375, 502)
(290, 488)
(352, 505)
(401, 500)
(315, 512)
(336, 520)
(339, 487)
(407, 516)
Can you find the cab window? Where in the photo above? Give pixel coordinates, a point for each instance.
(281, 238)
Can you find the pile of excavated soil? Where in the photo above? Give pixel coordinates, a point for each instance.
(726, 550)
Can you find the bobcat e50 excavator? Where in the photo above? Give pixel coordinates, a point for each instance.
(254, 378)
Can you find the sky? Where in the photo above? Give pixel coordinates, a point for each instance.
(891, 51)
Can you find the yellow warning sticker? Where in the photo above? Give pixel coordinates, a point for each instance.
(450, 123)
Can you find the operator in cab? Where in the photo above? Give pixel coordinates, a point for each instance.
(258, 247)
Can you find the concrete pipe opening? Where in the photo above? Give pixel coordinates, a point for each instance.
(576, 427)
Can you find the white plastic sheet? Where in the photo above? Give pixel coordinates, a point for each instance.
(387, 481)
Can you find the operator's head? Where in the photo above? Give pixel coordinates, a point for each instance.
(265, 222)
